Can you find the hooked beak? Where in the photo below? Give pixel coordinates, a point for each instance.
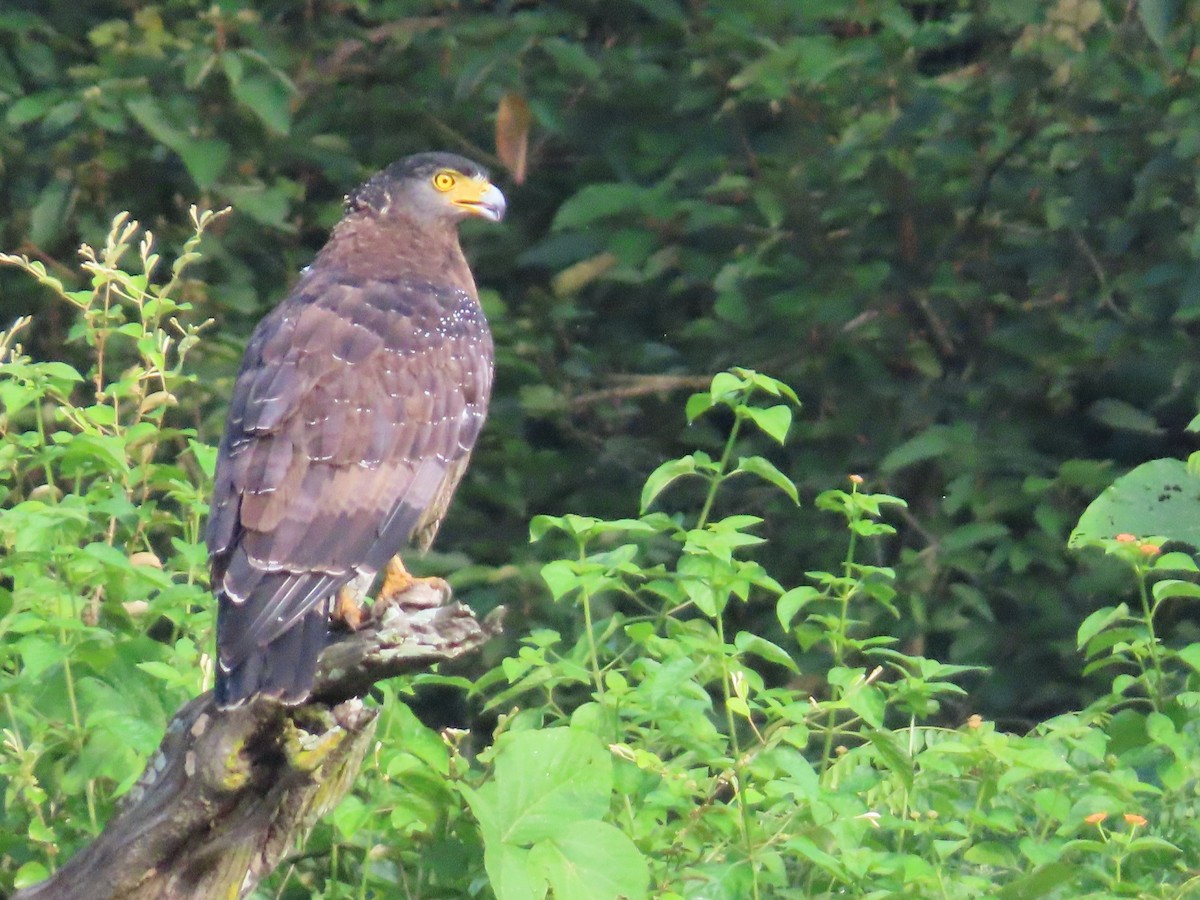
(480, 198)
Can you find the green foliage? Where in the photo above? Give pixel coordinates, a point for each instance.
(966, 231)
(104, 627)
(649, 746)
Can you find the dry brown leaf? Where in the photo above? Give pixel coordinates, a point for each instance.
(512, 134)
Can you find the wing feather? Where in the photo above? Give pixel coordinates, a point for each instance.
(352, 418)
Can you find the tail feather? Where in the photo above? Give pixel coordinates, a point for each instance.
(283, 669)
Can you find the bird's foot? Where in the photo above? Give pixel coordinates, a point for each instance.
(347, 611)
(399, 584)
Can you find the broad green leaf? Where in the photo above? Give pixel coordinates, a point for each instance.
(268, 98)
(512, 874)
(774, 420)
(1123, 416)
(793, 601)
(1098, 621)
(591, 860)
(1191, 656)
(560, 577)
(160, 670)
(972, 535)
(705, 581)
(546, 780)
(663, 476)
(766, 470)
(205, 456)
(1156, 17)
(30, 873)
(599, 201)
(899, 762)
(1176, 561)
(938, 440)
(697, 405)
(725, 384)
(1041, 882)
(1158, 498)
(746, 642)
(867, 701)
(51, 209)
(205, 160)
(1173, 587)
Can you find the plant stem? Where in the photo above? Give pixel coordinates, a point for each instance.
(722, 467)
(593, 652)
(1155, 662)
(838, 639)
(726, 681)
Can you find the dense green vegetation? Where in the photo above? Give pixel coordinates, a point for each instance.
(966, 234)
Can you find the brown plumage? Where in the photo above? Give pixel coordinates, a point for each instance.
(352, 420)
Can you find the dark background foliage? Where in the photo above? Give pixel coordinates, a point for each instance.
(966, 232)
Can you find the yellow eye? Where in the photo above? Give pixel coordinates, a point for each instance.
(444, 180)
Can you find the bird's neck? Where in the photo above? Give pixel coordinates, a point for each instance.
(386, 247)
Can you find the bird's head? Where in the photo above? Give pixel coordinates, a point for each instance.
(431, 187)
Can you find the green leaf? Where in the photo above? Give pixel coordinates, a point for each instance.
(205, 160)
(1098, 621)
(560, 577)
(30, 873)
(512, 874)
(697, 405)
(1043, 881)
(746, 642)
(1160, 498)
(703, 583)
(867, 701)
(1191, 656)
(724, 385)
(50, 210)
(972, 535)
(39, 654)
(546, 780)
(205, 456)
(599, 201)
(896, 760)
(766, 470)
(160, 670)
(936, 441)
(268, 98)
(591, 861)
(1176, 561)
(774, 420)
(1173, 587)
(1156, 17)
(663, 476)
(793, 601)
(1122, 416)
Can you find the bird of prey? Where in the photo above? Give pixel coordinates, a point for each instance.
(352, 420)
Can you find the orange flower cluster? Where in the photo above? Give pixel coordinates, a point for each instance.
(1144, 547)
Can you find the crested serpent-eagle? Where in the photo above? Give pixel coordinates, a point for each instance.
(352, 420)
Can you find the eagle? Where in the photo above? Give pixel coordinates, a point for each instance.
(352, 420)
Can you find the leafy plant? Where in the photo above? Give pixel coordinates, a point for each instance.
(651, 744)
(103, 608)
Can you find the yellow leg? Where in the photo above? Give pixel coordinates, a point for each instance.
(347, 610)
(397, 580)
